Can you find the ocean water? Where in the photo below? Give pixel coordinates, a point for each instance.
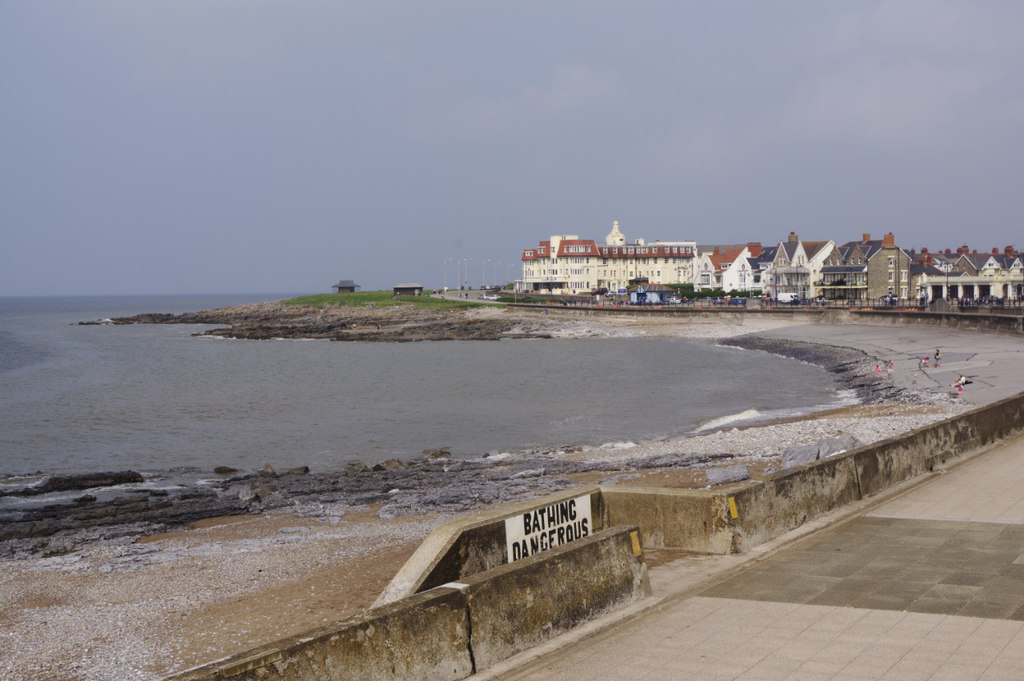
(156, 398)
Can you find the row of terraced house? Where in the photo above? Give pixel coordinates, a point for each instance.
(864, 271)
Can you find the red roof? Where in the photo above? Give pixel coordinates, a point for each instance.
(587, 246)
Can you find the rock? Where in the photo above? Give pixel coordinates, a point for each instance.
(439, 453)
(529, 473)
(262, 493)
(837, 445)
(267, 470)
(727, 474)
(355, 467)
(799, 455)
(85, 499)
(62, 483)
(243, 493)
(389, 465)
(225, 470)
(299, 470)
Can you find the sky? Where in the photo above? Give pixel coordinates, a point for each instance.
(236, 146)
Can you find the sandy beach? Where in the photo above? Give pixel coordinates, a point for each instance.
(142, 609)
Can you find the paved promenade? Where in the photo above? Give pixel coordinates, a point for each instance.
(926, 584)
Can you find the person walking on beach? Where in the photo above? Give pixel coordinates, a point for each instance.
(938, 356)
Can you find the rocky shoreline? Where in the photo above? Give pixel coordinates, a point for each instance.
(266, 321)
(439, 483)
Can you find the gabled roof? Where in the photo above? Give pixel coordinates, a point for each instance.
(722, 261)
(812, 248)
(789, 248)
(869, 248)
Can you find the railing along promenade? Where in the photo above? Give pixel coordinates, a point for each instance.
(1015, 307)
(1008, 317)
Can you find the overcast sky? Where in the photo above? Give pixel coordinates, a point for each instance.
(279, 146)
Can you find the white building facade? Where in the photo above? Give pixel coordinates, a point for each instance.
(566, 264)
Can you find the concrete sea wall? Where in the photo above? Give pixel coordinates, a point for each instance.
(729, 518)
(452, 631)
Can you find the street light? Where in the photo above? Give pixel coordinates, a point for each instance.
(444, 274)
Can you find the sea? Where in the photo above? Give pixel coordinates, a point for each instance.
(157, 398)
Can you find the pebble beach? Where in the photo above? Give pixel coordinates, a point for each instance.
(143, 607)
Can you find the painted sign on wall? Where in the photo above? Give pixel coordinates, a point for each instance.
(545, 528)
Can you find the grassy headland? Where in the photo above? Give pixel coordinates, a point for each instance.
(379, 299)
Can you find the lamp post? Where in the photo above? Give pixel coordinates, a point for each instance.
(444, 275)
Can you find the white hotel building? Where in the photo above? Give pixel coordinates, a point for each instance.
(568, 264)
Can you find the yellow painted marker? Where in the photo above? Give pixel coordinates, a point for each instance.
(732, 508)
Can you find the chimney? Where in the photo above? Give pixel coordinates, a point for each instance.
(924, 250)
(867, 236)
(1008, 250)
(995, 251)
(948, 252)
(963, 250)
(754, 248)
(928, 260)
(793, 238)
(716, 253)
(889, 241)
